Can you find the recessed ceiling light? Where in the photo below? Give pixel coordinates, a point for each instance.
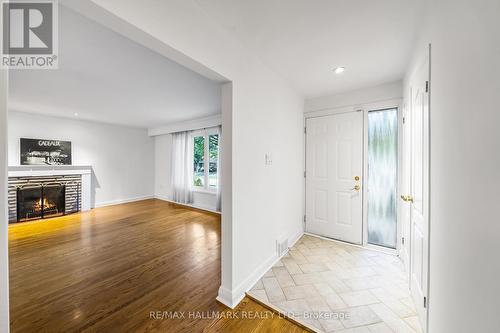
(339, 70)
(75, 114)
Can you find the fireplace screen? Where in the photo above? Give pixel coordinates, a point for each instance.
(41, 201)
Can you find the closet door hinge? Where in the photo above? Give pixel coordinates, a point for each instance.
(403, 240)
(425, 302)
(304, 219)
(305, 130)
(426, 86)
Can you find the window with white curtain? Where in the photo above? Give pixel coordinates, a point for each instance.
(205, 148)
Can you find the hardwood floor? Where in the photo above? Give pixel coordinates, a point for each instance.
(250, 316)
(111, 270)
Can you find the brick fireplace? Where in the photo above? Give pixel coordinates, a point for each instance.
(41, 201)
(37, 193)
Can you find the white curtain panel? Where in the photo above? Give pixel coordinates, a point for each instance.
(219, 167)
(182, 167)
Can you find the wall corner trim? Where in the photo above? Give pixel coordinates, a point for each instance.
(228, 298)
(232, 298)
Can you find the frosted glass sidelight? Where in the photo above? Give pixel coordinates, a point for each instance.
(382, 177)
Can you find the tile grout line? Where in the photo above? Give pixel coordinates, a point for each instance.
(276, 309)
(356, 265)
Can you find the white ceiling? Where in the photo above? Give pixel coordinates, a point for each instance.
(106, 77)
(304, 40)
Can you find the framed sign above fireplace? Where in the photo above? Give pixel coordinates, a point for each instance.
(45, 152)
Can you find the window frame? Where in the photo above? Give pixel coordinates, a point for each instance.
(205, 133)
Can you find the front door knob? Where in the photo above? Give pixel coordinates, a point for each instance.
(407, 198)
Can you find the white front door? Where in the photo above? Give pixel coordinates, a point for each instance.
(419, 197)
(334, 162)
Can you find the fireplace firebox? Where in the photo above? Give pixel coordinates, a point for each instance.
(40, 201)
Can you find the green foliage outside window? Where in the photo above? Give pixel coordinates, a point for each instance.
(199, 160)
(199, 150)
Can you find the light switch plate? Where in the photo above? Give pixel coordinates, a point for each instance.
(269, 159)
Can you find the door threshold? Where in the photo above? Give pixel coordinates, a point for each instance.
(382, 249)
(364, 247)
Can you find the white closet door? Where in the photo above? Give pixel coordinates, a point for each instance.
(419, 198)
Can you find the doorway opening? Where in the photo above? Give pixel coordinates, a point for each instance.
(351, 175)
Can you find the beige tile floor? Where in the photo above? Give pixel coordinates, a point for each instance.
(335, 287)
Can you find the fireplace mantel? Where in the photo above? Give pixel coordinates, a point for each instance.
(48, 170)
(60, 170)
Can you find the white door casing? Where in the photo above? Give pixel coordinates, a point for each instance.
(419, 205)
(334, 157)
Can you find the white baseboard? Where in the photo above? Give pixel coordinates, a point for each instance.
(295, 237)
(164, 198)
(232, 298)
(122, 201)
(227, 298)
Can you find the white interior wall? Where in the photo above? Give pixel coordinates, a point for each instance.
(122, 158)
(163, 166)
(163, 173)
(464, 180)
(267, 200)
(375, 94)
(4, 231)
